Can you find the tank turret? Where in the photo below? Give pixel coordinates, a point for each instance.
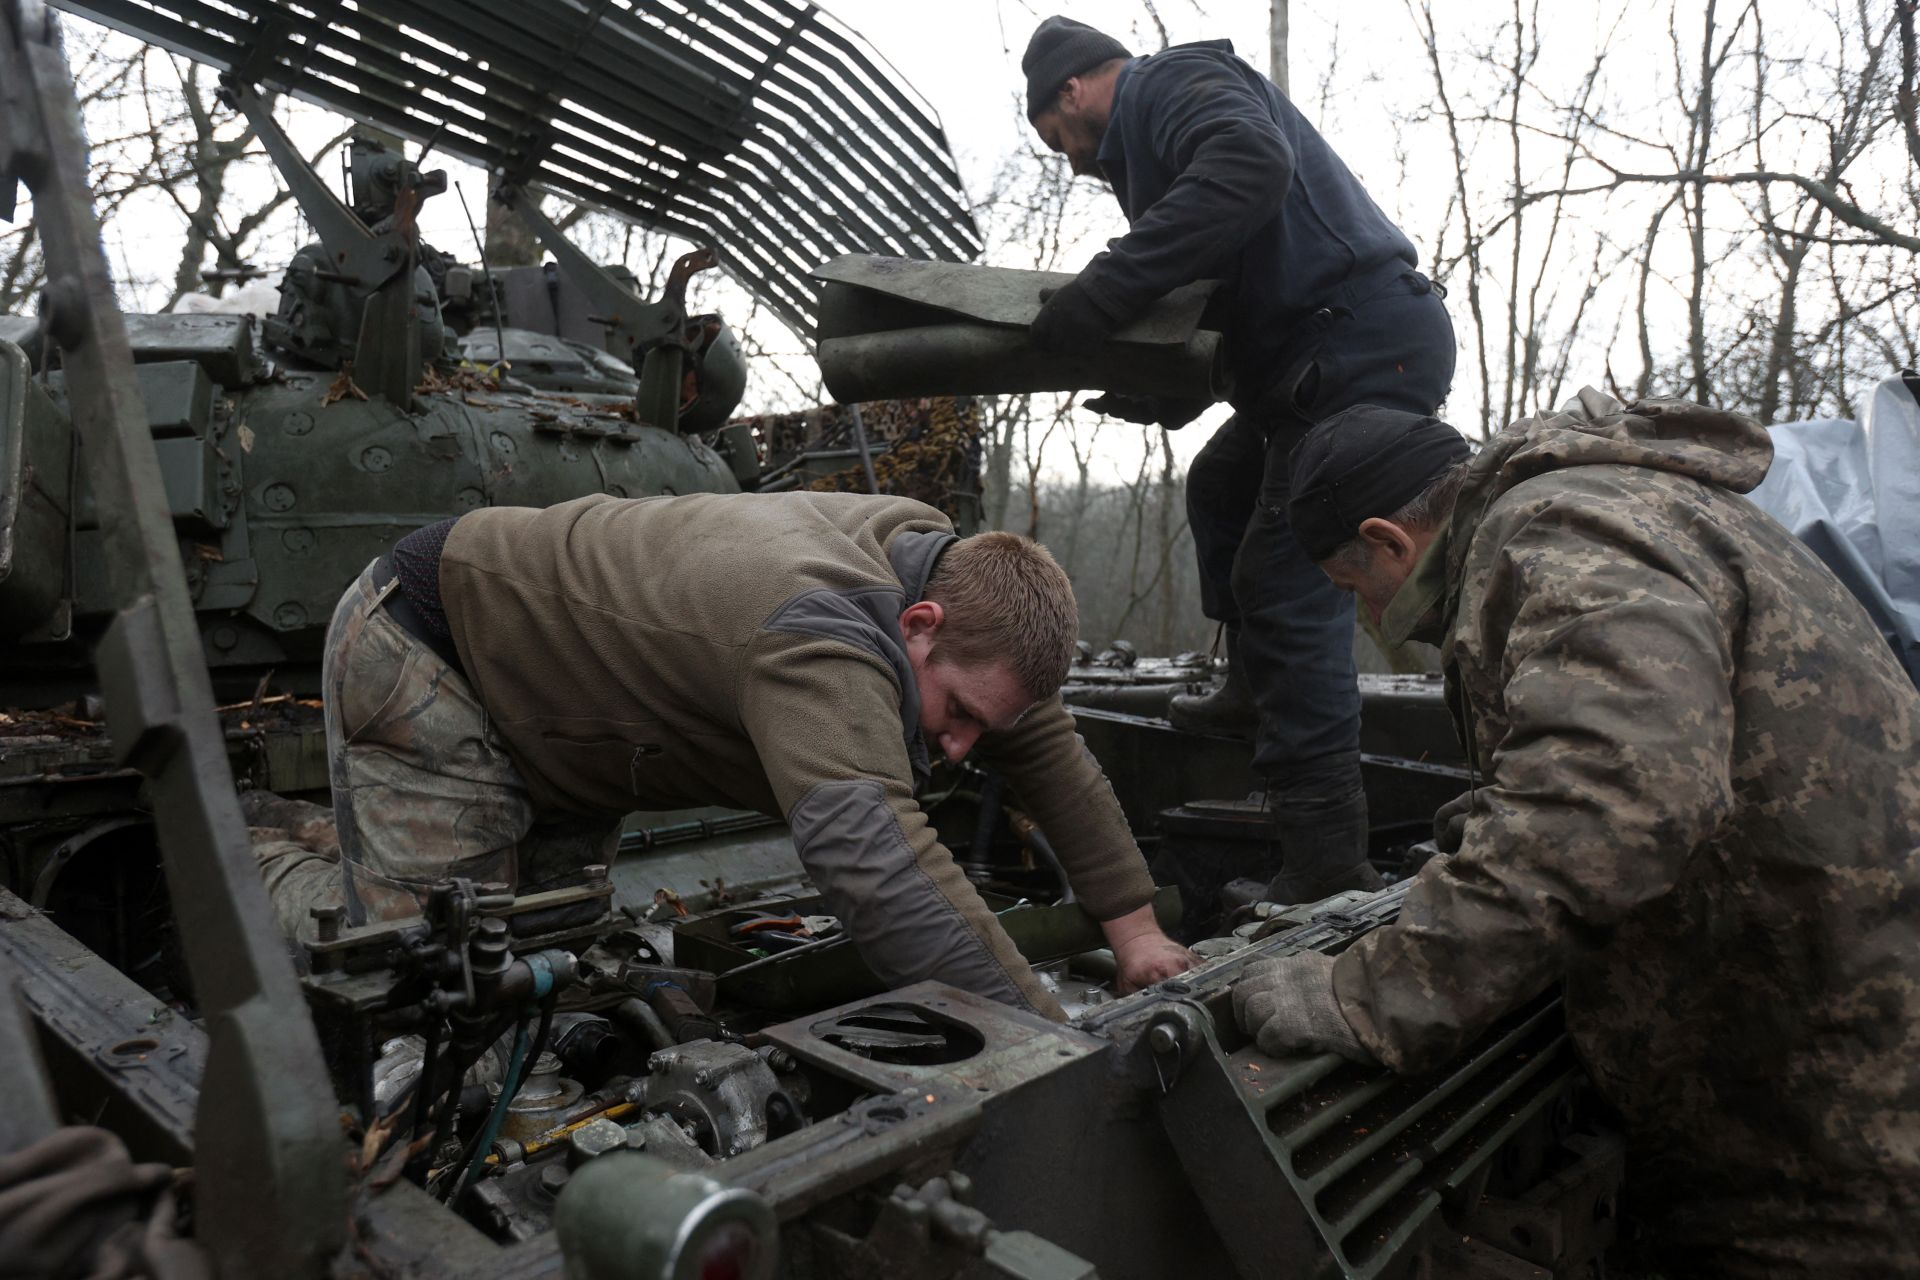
(375, 400)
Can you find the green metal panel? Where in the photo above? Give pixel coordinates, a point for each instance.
(178, 395)
(36, 460)
(222, 345)
(192, 476)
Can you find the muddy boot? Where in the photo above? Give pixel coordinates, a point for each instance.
(1323, 848)
(1226, 711)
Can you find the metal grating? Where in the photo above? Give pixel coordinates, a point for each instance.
(763, 127)
(1349, 1158)
(1372, 1161)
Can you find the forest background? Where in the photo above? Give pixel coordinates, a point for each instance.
(1694, 198)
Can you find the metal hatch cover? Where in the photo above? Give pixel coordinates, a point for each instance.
(765, 127)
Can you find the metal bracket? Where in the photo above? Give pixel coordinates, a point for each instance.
(271, 1177)
(652, 336)
(377, 267)
(633, 324)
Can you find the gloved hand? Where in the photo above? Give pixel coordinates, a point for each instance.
(1145, 410)
(1450, 823)
(1148, 411)
(1287, 1005)
(1070, 322)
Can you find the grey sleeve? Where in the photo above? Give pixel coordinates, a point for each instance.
(914, 917)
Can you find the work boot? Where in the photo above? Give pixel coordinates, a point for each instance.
(1226, 711)
(1323, 848)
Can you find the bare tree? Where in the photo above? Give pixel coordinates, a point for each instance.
(1027, 216)
(105, 84)
(194, 145)
(1462, 207)
(1789, 151)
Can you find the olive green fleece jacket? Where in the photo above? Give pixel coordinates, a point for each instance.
(745, 650)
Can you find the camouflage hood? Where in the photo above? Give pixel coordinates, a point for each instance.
(1710, 445)
(1713, 446)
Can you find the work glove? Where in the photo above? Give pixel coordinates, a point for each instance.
(1148, 411)
(1450, 823)
(1070, 322)
(1287, 1005)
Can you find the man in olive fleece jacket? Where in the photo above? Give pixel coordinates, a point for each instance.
(793, 654)
(1699, 810)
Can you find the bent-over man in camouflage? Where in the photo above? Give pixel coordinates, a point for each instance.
(517, 679)
(1698, 807)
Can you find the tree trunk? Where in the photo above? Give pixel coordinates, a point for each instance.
(1277, 45)
(998, 490)
(1169, 534)
(1702, 150)
(1082, 492)
(510, 241)
(1785, 320)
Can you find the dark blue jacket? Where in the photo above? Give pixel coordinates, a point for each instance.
(1220, 176)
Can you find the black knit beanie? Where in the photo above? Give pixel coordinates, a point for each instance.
(1363, 462)
(1060, 50)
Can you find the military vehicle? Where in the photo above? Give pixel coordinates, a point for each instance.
(678, 1067)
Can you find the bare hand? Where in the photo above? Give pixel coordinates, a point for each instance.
(1149, 958)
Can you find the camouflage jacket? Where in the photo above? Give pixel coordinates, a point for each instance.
(1700, 809)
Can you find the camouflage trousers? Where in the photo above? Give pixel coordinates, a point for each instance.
(298, 850)
(423, 787)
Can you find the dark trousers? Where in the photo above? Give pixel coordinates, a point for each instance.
(1296, 631)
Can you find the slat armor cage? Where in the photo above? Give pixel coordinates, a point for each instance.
(763, 127)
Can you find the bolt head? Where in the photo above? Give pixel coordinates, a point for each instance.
(595, 1138)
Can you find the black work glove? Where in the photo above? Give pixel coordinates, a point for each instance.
(1145, 410)
(1070, 322)
(1148, 411)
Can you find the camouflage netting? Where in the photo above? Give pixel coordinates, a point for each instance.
(928, 450)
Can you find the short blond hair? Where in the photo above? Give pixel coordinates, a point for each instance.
(1006, 600)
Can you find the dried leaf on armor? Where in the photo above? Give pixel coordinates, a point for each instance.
(465, 378)
(343, 387)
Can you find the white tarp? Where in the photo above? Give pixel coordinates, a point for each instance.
(1851, 492)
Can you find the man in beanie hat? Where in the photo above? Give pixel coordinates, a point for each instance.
(1221, 177)
(1698, 808)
